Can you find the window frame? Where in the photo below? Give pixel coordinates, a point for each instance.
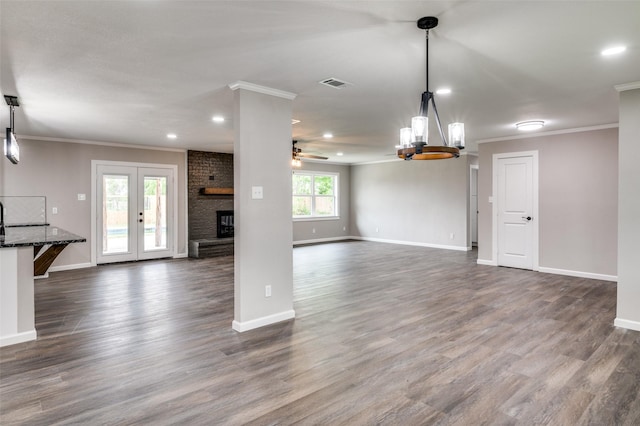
(314, 216)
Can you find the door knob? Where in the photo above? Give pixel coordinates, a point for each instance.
(526, 217)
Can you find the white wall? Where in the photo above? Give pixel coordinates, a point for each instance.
(332, 228)
(628, 309)
(62, 170)
(416, 202)
(578, 201)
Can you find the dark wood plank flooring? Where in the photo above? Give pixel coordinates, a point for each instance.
(384, 334)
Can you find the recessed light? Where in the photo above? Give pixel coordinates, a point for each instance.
(218, 119)
(327, 135)
(294, 121)
(443, 91)
(339, 154)
(527, 126)
(172, 135)
(613, 50)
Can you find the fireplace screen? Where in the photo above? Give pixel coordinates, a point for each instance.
(224, 223)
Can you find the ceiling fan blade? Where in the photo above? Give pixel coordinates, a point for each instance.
(317, 157)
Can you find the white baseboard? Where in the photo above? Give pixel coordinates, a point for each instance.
(321, 240)
(70, 267)
(578, 274)
(181, 255)
(411, 243)
(12, 339)
(487, 262)
(261, 322)
(631, 325)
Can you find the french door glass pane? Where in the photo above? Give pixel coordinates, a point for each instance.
(155, 213)
(115, 205)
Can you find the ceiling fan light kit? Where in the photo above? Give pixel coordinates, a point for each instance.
(414, 140)
(297, 154)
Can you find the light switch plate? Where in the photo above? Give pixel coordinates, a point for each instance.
(82, 197)
(256, 193)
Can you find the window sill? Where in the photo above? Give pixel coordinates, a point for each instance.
(315, 218)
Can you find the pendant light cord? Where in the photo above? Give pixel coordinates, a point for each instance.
(426, 60)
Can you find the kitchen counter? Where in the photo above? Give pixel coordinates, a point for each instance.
(22, 236)
(21, 257)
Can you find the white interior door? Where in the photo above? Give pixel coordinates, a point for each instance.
(515, 206)
(134, 213)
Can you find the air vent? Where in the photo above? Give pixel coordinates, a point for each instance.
(334, 82)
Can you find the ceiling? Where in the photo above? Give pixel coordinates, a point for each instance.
(130, 72)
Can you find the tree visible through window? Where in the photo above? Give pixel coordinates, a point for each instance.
(314, 194)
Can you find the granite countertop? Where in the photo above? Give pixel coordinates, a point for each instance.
(21, 236)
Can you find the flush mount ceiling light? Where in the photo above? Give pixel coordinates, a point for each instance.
(613, 50)
(172, 135)
(218, 119)
(327, 135)
(527, 126)
(414, 140)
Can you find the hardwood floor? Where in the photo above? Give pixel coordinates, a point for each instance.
(377, 339)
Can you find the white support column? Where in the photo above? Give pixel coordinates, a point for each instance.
(17, 313)
(262, 202)
(628, 306)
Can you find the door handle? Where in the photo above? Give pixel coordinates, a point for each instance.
(528, 218)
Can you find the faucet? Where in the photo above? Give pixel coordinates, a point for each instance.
(1, 221)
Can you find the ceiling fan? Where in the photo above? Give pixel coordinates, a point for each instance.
(297, 154)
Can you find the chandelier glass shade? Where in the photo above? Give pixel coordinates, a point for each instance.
(414, 140)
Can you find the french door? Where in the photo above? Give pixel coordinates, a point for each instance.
(134, 213)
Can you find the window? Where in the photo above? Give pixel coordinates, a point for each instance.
(315, 194)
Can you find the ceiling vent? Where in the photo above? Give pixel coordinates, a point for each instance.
(334, 82)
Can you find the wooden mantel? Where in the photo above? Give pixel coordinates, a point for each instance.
(216, 191)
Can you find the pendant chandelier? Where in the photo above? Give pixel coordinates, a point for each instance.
(414, 140)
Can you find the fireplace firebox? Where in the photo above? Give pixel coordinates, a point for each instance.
(224, 223)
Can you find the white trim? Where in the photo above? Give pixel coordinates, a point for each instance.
(627, 86)
(494, 204)
(314, 218)
(551, 133)
(13, 339)
(322, 240)
(412, 243)
(181, 255)
(69, 267)
(469, 212)
(579, 274)
(631, 325)
(263, 321)
(89, 142)
(487, 262)
(262, 89)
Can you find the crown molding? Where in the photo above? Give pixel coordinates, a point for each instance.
(262, 89)
(550, 133)
(89, 142)
(627, 86)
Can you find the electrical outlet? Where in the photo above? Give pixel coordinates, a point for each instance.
(82, 197)
(267, 291)
(313, 231)
(452, 236)
(377, 229)
(344, 228)
(54, 210)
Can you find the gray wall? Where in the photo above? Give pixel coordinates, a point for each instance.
(628, 232)
(421, 202)
(61, 170)
(578, 200)
(327, 229)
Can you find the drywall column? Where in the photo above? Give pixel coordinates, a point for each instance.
(262, 202)
(628, 313)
